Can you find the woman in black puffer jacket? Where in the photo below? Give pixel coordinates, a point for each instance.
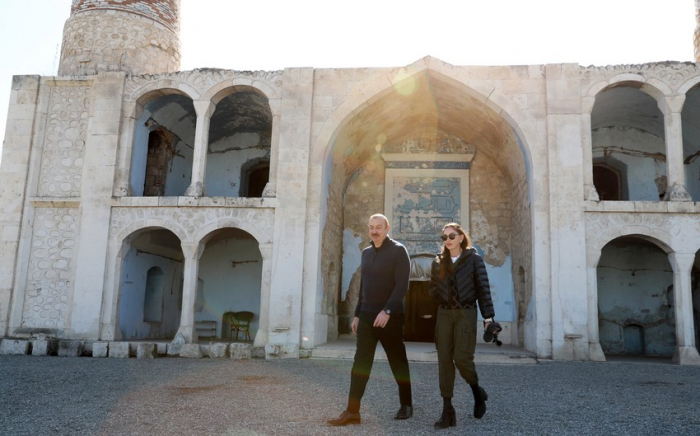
(458, 281)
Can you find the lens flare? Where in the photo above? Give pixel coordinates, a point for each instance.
(404, 84)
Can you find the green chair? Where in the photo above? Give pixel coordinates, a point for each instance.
(240, 322)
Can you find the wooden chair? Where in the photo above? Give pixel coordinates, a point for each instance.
(240, 322)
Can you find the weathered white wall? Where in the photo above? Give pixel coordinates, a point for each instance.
(635, 284)
(133, 288)
(225, 159)
(229, 288)
(641, 152)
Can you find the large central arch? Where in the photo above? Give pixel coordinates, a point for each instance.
(429, 107)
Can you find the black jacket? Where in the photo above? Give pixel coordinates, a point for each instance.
(384, 280)
(472, 282)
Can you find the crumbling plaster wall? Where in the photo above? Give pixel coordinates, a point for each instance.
(635, 287)
(521, 250)
(133, 288)
(226, 157)
(644, 155)
(490, 221)
(174, 113)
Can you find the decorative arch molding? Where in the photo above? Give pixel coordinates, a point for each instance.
(161, 88)
(602, 228)
(222, 90)
(663, 75)
(654, 88)
(190, 224)
(249, 226)
(370, 90)
(197, 83)
(689, 84)
(138, 227)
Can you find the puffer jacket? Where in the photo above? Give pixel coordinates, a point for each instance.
(472, 283)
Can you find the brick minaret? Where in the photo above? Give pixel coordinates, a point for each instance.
(136, 36)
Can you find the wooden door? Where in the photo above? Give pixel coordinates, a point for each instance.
(421, 314)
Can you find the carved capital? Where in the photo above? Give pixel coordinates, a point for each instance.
(677, 193)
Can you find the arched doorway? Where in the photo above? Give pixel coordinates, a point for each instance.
(230, 277)
(691, 141)
(239, 133)
(627, 131)
(150, 299)
(429, 123)
(162, 154)
(635, 299)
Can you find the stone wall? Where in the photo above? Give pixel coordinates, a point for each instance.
(521, 249)
(165, 12)
(635, 299)
(51, 265)
(64, 142)
(490, 210)
(102, 40)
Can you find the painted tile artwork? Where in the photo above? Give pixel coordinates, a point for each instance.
(422, 206)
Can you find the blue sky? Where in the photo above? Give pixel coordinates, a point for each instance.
(274, 34)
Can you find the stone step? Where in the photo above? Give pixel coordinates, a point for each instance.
(344, 348)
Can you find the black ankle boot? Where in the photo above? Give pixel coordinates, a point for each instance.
(480, 397)
(447, 419)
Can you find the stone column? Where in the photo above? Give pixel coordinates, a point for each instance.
(97, 182)
(675, 172)
(204, 109)
(589, 191)
(122, 184)
(109, 329)
(271, 187)
(261, 337)
(686, 352)
(290, 215)
(192, 252)
(569, 305)
(595, 352)
(21, 119)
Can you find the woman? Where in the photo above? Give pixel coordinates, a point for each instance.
(458, 281)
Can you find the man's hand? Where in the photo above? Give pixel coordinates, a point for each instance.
(355, 322)
(381, 320)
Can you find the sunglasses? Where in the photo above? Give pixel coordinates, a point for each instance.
(451, 236)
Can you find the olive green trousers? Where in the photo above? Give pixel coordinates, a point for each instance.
(455, 340)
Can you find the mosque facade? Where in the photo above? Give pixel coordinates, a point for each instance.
(143, 202)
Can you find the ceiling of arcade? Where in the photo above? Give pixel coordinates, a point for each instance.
(240, 112)
(423, 103)
(628, 106)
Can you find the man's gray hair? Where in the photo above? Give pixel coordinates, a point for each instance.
(379, 215)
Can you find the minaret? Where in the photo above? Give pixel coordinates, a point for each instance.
(696, 39)
(135, 36)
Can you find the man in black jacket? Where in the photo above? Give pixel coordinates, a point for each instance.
(379, 317)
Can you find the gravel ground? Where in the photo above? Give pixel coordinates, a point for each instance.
(174, 396)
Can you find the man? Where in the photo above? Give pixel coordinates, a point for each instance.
(379, 316)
